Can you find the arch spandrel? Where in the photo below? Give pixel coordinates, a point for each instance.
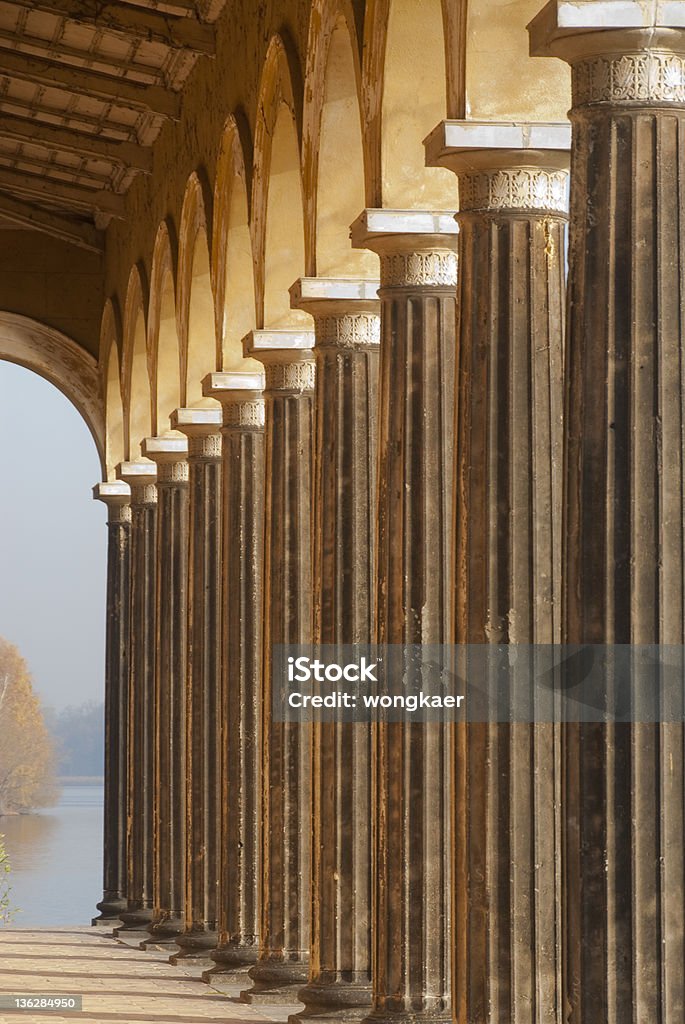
(277, 206)
(402, 109)
(232, 257)
(502, 82)
(62, 362)
(196, 313)
(334, 188)
(137, 370)
(163, 342)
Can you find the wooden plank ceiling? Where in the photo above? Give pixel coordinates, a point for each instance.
(85, 87)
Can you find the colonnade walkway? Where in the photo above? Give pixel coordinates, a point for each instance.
(117, 982)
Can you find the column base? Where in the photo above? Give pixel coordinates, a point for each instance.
(427, 1016)
(163, 933)
(196, 945)
(111, 907)
(135, 919)
(276, 983)
(335, 1001)
(231, 965)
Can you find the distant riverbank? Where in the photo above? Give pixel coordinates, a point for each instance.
(81, 780)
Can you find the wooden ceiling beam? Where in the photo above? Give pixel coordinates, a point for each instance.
(83, 82)
(140, 24)
(52, 190)
(83, 235)
(32, 131)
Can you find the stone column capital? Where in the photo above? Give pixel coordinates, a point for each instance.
(241, 396)
(287, 357)
(505, 166)
(635, 48)
(116, 494)
(417, 247)
(346, 311)
(171, 457)
(141, 476)
(202, 427)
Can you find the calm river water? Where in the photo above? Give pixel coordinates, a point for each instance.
(56, 859)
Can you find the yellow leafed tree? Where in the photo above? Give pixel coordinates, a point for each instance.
(27, 761)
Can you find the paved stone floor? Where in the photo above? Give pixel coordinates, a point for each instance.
(117, 982)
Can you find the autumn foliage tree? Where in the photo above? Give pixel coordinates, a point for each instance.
(27, 778)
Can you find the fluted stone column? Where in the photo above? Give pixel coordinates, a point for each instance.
(169, 779)
(624, 539)
(141, 477)
(413, 580)
(347, 329)
(204, 719)
(117, 497)
(283, 965)
(241, 698)
(513, 184)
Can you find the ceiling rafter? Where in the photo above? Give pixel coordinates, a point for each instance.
(33, 131)
(83, 82)
(137, 23)
(52, 190)
(83, 235)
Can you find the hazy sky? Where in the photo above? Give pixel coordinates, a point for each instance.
(53, 539)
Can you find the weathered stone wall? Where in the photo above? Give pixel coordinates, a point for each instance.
(54, 282)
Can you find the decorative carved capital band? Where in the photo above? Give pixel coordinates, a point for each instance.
(649, 76)
(244, 415)
(204, 447)
(143, 494)
(172, 471)
(296, 376)
(348, 330)
(519, 188)
(430, 268)
(118, 513)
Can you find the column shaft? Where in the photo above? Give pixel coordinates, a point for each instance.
(140, 724)
(413, 593)
(243, 545)
(170, 688)
(203, 698)
(624, 536)
(508, 533)
(117, 646)
(283, 964)
(346, 349)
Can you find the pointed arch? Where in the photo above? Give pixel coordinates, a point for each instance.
(277, 206)
(110, 378)
(401, 108)
(232, 258)
(196, 322)
(136, 385)
(334, 157)
(163, 343)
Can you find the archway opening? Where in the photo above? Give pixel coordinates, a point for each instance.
(201, 353)
(168, 357)
(340, 187)
(284, 259)
(413, 105)
(52, 610)
(239, 292)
